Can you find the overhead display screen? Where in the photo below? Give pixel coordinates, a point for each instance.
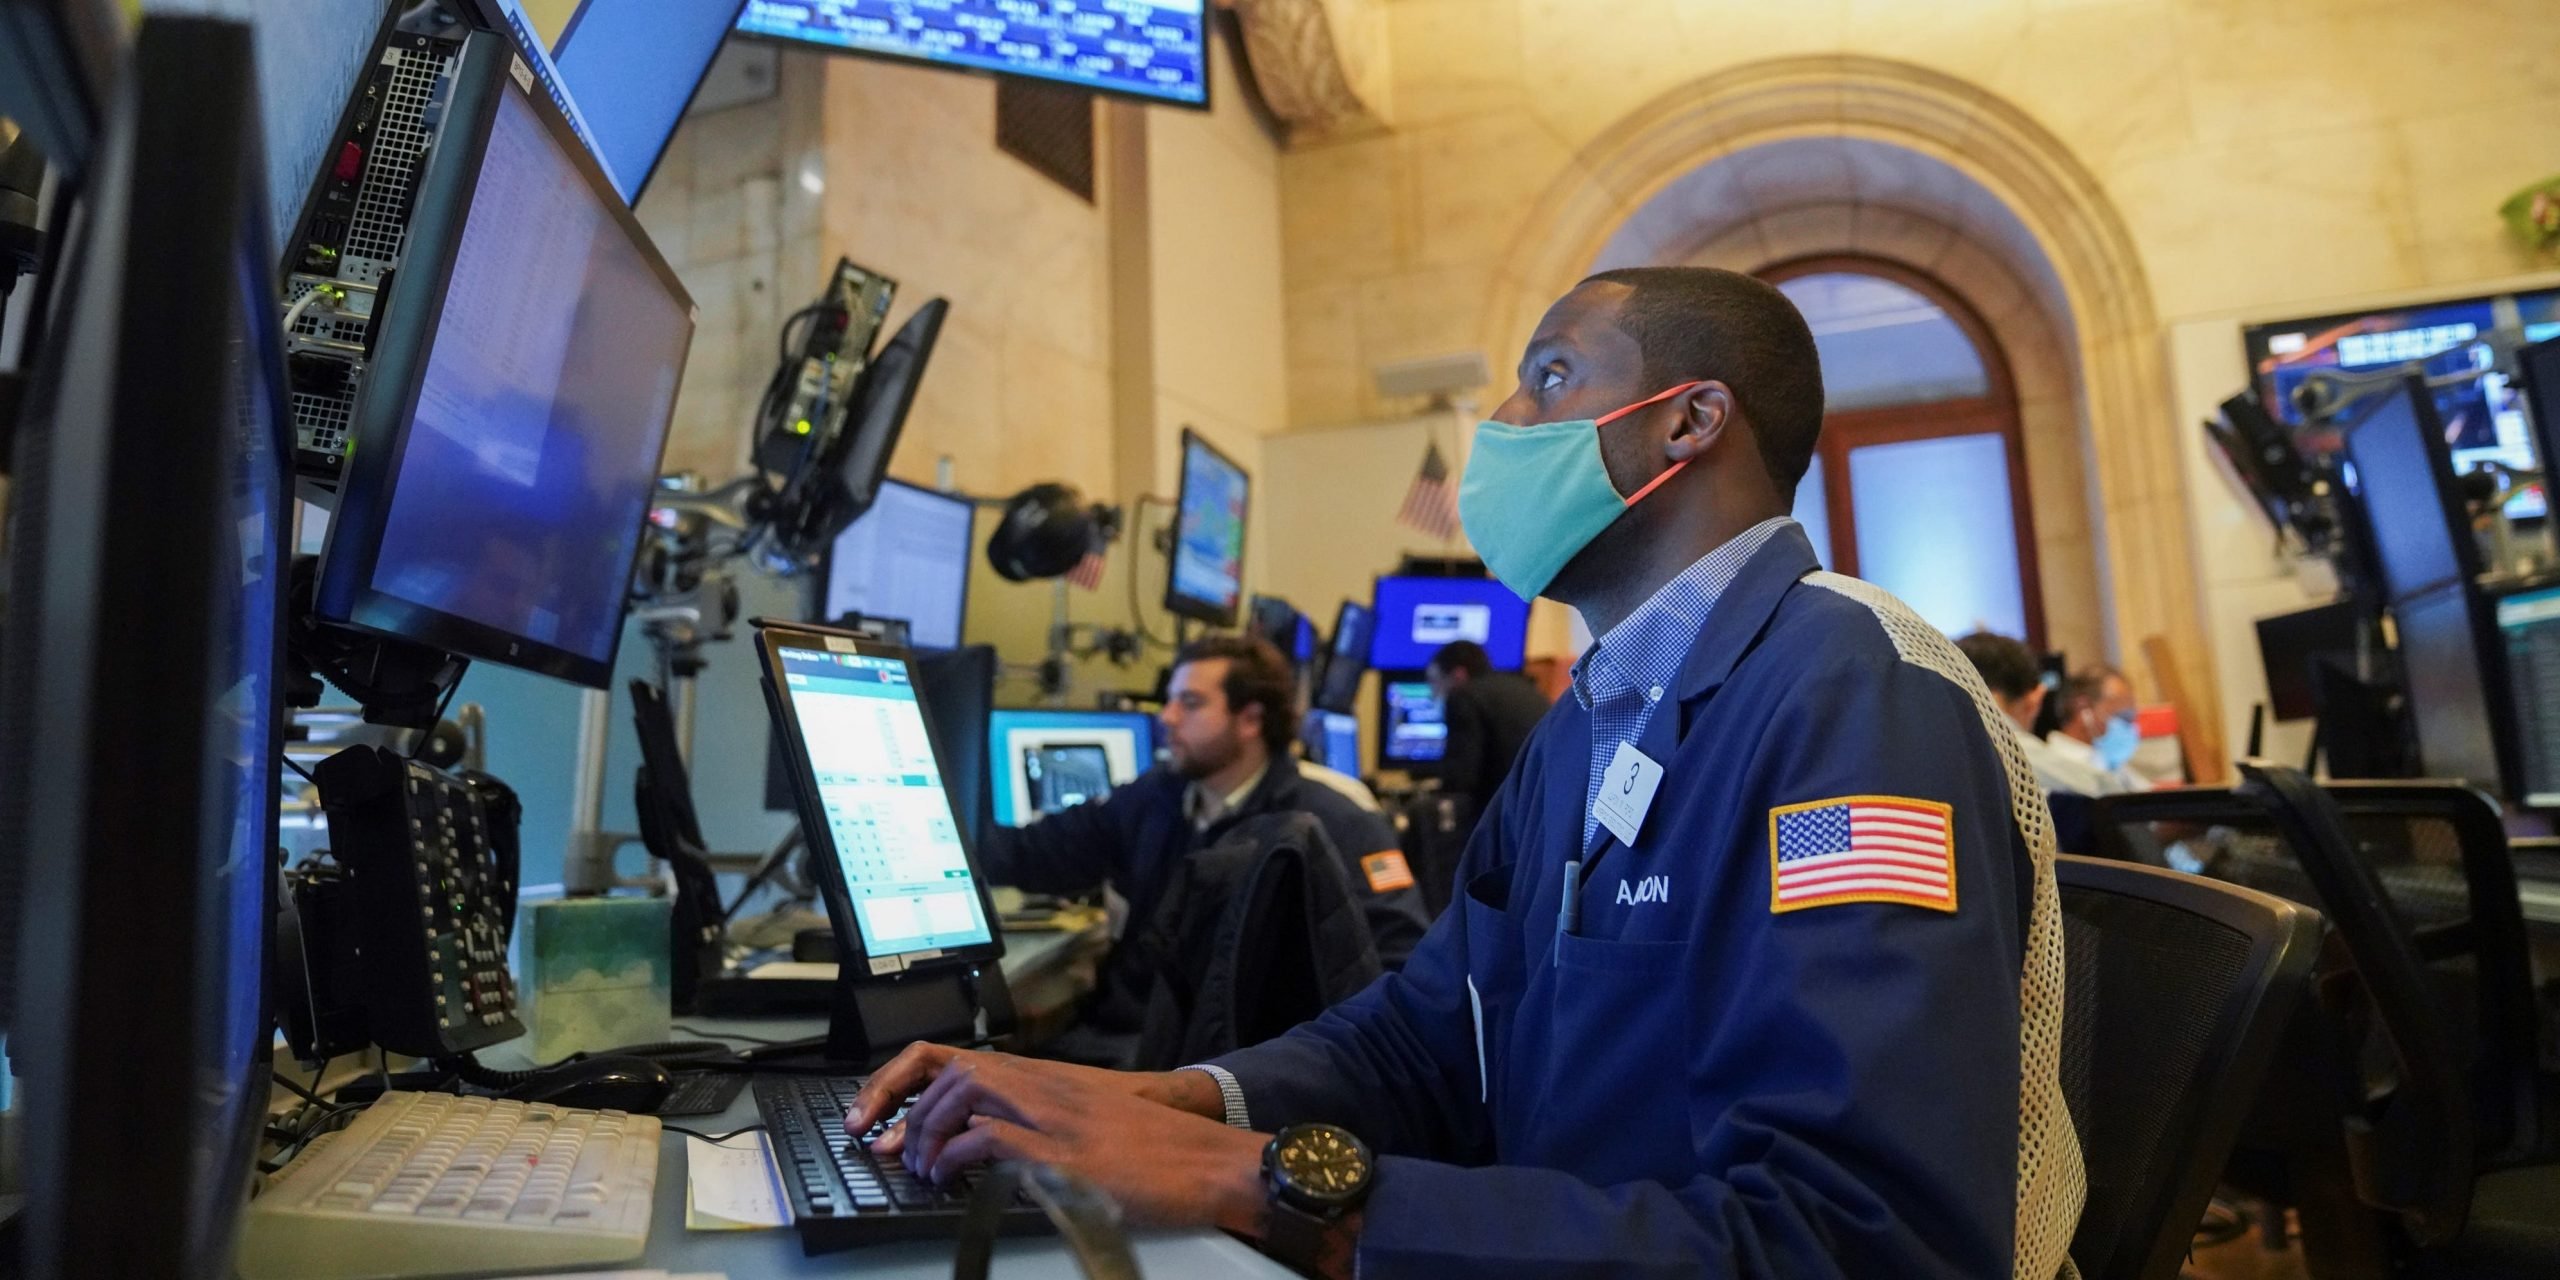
(1153, 49)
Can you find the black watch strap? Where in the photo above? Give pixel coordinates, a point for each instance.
(1295, 1238)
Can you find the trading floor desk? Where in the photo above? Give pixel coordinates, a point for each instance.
(1031, 959)
(755, 1255)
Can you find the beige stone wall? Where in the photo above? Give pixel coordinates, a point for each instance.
(2180, 159)
(896, 168)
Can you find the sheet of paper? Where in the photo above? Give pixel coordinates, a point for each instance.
(732, 1186)
(802, 969)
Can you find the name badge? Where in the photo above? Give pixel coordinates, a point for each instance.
(1626, 792)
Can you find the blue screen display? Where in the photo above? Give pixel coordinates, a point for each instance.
(1150, 48)
(1418, 615)
(545, 404)
(631, 66)
(1208, 547)
(1341, 738)
(889, 818)
(1027, 748)
(1410, 728)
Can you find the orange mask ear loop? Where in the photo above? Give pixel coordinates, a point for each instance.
(1667, 472)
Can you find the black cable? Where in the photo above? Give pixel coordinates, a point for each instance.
(428, 734)
(682, 1029)
(300, 1092)
(1137, 538)
(672, 1128)
(296, 766)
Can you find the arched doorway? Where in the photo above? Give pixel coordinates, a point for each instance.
(1921, 482)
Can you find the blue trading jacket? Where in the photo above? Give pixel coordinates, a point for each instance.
(1691, 1083)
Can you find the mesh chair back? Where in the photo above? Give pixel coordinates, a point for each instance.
(2410, 1128)
(2177, 989)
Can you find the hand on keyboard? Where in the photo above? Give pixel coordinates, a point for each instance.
(1166, 1167)
(913, 1072)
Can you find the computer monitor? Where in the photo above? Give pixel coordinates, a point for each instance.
(856, 462)
(1346, 657)
(906, 558)
(2262, 451)
(894, 863)
(2293, 646)
(1279, 622)
(633, 65)
(1045, 759)
(2446, 670)
(1418, 615)
(1157, 51)
(509, 432)
(139, 702)
(2529, 629)
(2405, 479)
(1206, 581)
(1411, 734)
(2538, 374)
(1332, 739)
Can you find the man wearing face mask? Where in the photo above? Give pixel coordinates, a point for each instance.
(1755, 967)
(2098, 732)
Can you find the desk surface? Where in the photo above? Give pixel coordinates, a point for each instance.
(754, 1255)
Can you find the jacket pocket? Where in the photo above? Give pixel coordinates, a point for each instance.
(1493, 969)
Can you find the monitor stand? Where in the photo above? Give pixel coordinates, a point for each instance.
(871, 1019)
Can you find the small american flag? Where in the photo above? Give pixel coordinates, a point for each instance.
(1088, 571)
(1861, 849)
(1431, 504)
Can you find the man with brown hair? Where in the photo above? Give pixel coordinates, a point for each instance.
(1228, 725)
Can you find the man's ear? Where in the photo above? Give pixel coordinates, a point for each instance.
(1706, 410)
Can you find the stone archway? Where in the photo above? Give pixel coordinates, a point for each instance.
(2146, 568)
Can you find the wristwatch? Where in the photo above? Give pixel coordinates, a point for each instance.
(1315, 1174)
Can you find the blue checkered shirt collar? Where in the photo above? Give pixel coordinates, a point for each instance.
(1641, 656)
(1625, 675)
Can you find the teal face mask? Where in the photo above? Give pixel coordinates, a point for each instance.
(1533, 497)
(2116, 743)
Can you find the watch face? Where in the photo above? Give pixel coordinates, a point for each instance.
(1323, 1162)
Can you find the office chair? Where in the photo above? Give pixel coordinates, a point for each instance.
(2176, 991)
(2410, 1021)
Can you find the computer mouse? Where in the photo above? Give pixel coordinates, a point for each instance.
(609, 1083)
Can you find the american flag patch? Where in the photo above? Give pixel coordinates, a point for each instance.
(1862, 849)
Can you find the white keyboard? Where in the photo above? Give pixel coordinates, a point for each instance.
(426, 1184)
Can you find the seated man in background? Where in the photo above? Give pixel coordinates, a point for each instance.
(1489, 714)
(2070, 767)
(2098, 730)
(1227, 732)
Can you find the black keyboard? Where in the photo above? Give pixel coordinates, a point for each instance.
(843, 1196)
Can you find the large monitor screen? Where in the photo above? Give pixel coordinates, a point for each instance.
(1418, 615)
(631, 66)
(1152, 49)
(1346, 657)
(1410, 730)
(1047, 759)
(2398, 474)
(906, 558)
(889, 819)
(516, 503)
(1207, 578)
(2448, 692)
(2530, 626)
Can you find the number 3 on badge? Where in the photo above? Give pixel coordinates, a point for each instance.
(1626, 792)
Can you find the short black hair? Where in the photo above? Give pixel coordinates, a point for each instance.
(1257, 676)
(2087, 687)
(1464, 655)
(1699, 322)
(2006, 665)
